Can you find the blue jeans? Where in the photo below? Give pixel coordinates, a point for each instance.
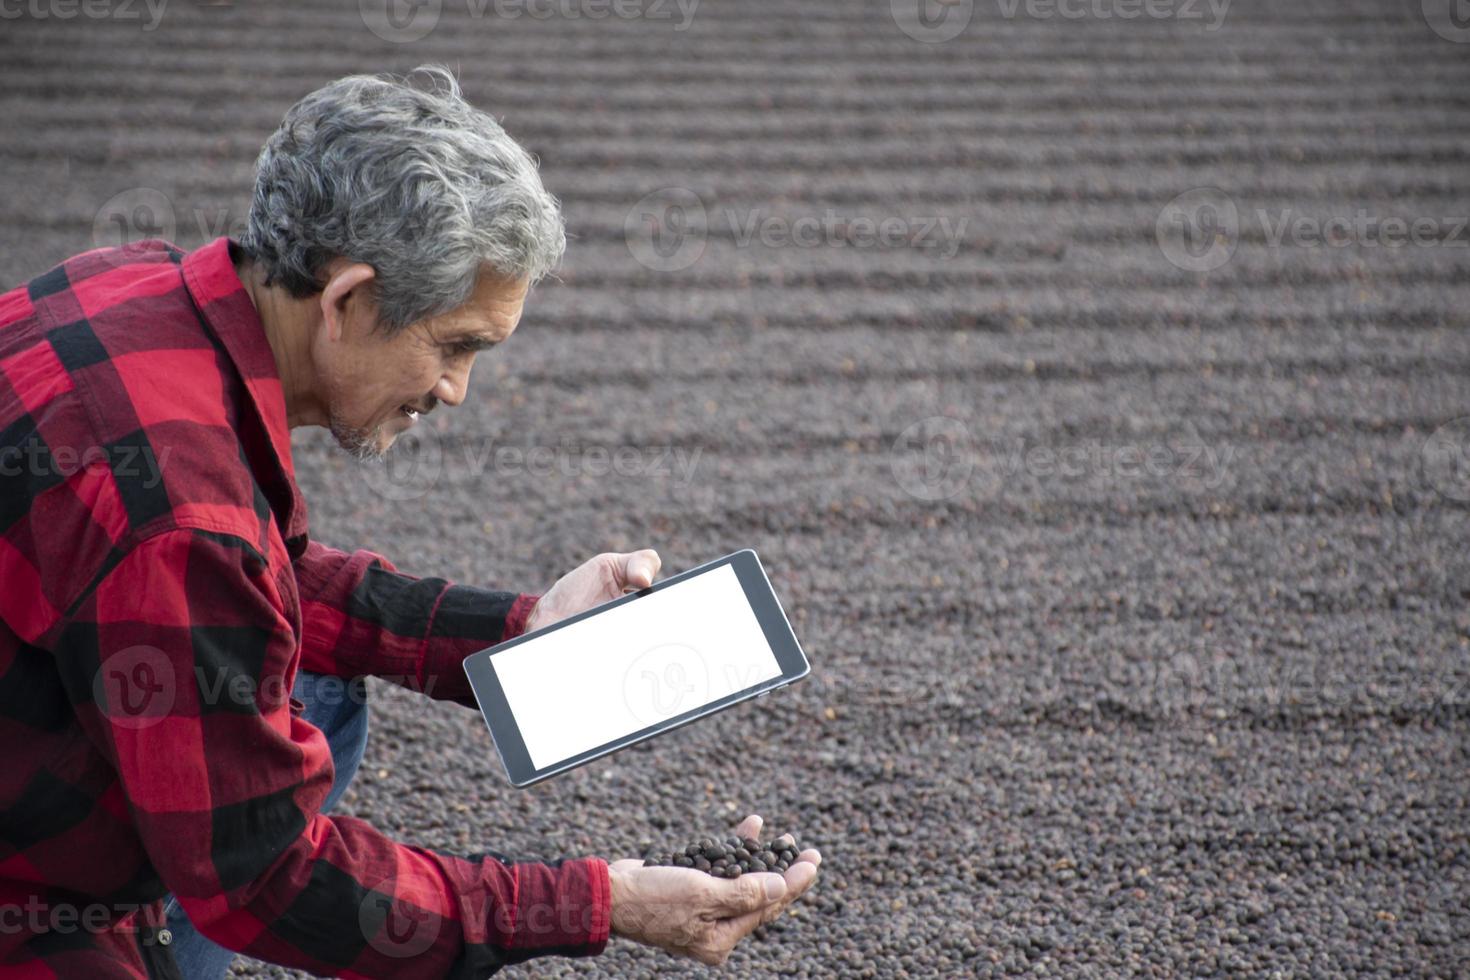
(333, 705)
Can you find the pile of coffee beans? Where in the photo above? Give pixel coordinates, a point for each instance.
(730, 858)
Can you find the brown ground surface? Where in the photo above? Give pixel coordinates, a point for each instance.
(1159, 664)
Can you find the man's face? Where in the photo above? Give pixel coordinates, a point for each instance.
(375, 384)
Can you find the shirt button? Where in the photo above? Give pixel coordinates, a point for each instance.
(165, 936)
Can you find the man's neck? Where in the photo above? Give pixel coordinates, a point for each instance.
(288, 325)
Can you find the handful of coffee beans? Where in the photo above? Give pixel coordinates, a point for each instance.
(730, 858)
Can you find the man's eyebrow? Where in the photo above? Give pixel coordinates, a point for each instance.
(474, 342)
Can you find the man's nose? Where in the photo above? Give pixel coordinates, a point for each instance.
(453, 386)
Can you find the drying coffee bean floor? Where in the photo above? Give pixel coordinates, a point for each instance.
(1152, 660)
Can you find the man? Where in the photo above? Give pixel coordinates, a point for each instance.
(167, 625)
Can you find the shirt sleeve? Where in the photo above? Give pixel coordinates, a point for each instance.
(179, 664)
(363, 617)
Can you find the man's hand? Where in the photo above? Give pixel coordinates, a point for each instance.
(592, 583)
(690, 913)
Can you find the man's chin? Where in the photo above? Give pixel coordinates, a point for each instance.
(365, 445)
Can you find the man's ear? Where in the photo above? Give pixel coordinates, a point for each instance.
(348, 292)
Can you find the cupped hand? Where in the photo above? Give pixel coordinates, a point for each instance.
(690, 913)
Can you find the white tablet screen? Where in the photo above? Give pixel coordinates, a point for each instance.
(646, 661)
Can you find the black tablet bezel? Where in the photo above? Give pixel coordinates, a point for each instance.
(768, 612)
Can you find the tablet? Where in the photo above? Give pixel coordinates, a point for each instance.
(635, 667)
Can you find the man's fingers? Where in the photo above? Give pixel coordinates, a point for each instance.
(750, 827)
(639, 568)
(728, 932)
(800, 875)
(799, 878)
(748, 893)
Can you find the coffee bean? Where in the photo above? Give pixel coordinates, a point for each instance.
(731, 858)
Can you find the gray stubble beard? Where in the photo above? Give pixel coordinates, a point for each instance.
(359, 443)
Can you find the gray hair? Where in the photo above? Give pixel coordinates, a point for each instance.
(420, 185)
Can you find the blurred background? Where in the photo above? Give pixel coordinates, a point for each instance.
(1091, 376)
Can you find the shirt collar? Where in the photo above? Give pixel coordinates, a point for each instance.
(229, 313)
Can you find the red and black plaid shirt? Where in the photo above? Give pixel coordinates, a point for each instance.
(158, 593)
